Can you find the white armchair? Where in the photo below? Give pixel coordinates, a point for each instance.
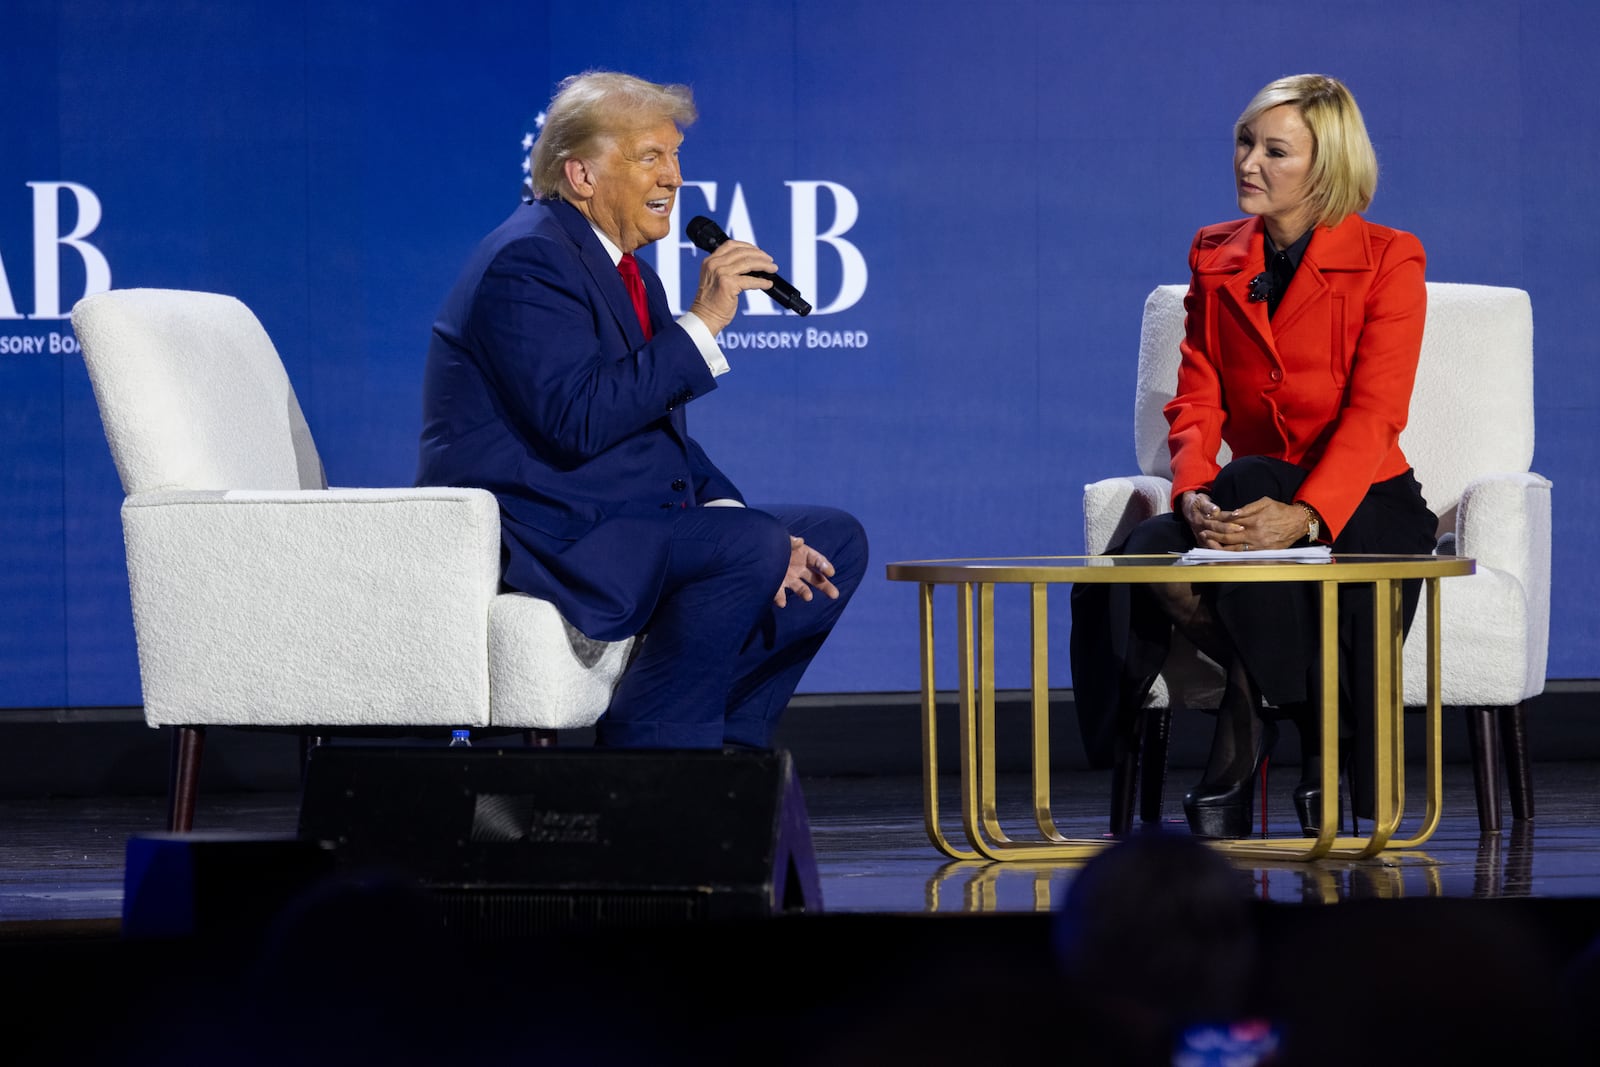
(263, 598)
(1470, 440)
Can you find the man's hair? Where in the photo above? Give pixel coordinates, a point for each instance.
(1344, 168)
(593, 106)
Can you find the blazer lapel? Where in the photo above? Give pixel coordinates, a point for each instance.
(609, 282)
(1240, 257)
(602, 271)
(1339, 248)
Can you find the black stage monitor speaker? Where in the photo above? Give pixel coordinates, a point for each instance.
(519, 840)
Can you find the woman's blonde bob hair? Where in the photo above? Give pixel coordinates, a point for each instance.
(1344, 168)
(595, 105)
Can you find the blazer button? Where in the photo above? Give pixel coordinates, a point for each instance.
(1277, 375)
(679, 485)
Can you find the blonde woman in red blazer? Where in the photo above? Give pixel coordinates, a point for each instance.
(1303, 329)
(1324, 384)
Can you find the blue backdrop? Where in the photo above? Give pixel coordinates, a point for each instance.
(976, 196)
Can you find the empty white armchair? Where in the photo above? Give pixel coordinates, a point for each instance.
(1470, 439)
(263, 598)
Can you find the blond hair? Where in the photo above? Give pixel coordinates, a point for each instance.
(590, 107)
(1344, 168)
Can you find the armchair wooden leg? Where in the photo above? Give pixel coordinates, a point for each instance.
(188, 745)
(1519, 772)
(541, 738)
(1153, 762)
(1483, 736)
(308, 742)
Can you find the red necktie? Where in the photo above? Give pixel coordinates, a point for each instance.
(629, 269)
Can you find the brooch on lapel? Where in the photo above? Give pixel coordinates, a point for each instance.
(1260, 287)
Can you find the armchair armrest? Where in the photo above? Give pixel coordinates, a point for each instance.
(1112, 507)
(1496, 621)
(326, 607)
(1503, 522)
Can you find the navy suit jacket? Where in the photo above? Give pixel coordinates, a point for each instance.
(541, 388)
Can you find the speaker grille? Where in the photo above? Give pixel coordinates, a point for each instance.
(501, 913)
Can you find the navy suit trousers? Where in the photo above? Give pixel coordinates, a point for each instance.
(719, 659)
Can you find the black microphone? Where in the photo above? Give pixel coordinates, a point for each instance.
(708, 237)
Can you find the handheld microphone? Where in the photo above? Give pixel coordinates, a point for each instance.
(708, 236)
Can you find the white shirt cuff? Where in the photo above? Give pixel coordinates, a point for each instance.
(710, 351)
(722, 502)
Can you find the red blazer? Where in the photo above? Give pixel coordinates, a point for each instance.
(1326, 384)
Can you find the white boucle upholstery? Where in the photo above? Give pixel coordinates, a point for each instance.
(544, 673)
(313, 607)
(1470, 440)
(192, 394)
(1495, 622)
(263, 598)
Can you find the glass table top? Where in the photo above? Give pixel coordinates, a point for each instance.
(1241, 566)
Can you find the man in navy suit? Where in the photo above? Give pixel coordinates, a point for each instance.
(557, 379)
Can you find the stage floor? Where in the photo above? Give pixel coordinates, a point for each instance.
(61, 859)
(911, 959)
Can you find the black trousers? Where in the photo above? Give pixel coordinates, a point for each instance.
(1120, 636)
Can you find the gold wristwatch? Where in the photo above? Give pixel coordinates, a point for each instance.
(1313, 524)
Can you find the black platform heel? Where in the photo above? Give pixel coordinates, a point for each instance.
(1308, 801)
(1223, 810)
(1308, 790)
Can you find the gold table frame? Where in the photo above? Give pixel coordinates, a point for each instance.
(975, 641)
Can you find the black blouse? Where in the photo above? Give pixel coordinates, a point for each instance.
(1281, 266)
